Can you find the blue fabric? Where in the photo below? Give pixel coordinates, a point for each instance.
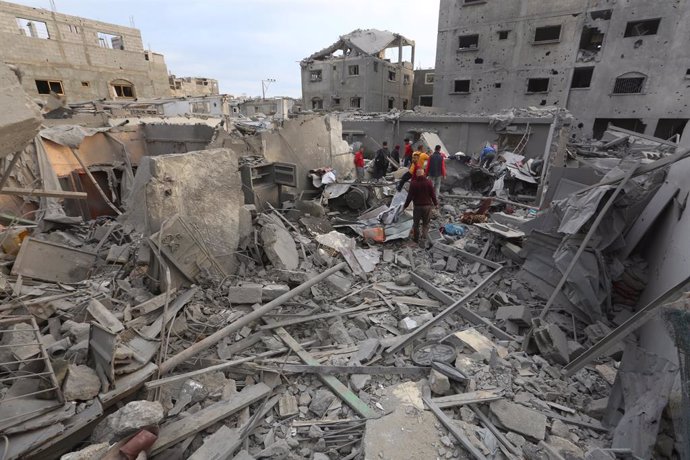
(486, 151)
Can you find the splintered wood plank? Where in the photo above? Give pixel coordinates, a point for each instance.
(177, 431)
(462, 399)
(220, 445)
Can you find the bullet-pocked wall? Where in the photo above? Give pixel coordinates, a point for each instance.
(623, 62)
(77, 58)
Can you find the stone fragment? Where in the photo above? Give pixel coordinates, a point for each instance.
(560, 429)
(315, 432)
(320, 456)
(519, 419)
(367, 350)
(608, 373)
(243, 455)
(91, 452)
(407, 324)
(599, 454)
(273, 291)
(279, 450)
(321, 401)
(439, 383)
(118, 254)
(551, 341)
(403, 261)
(388, 255)
(339, 334)
(516, 439)
(519, 314)
(564, 447)
(403, 279)
(245, 294)
(127, 420)
(452, 264)
(82, 383)
(597, 407)
(279, 246)
(339, 282)
(359, 381)
(287, 405)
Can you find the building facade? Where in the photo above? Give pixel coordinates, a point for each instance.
(193, 86)
(78, 59)
(623, 62)
(423, 88)
(369, 70)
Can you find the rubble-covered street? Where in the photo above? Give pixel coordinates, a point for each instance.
(195, 289)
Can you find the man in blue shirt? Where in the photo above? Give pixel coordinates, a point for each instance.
(487, 156)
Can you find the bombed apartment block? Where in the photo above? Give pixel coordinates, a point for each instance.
(78, 59)
(369, 70)
(607, 62)
(193, 86)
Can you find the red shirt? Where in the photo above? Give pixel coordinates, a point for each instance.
(408, 150)
(359, 159)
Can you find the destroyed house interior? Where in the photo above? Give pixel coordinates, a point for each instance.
(353, 274)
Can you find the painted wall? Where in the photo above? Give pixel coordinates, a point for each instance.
(72, 55)
(499, 68)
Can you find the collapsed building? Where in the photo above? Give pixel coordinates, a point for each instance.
(202, 287)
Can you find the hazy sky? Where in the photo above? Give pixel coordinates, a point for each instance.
(241, 42)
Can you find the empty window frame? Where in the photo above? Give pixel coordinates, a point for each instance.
(336, 101)
(392, 75)
(405, 104)
(426, 101)
(391, 103)
(85, 84)
(33, 28)
(629, 85)
(123, 90)
(429, 79)
(547, 34)
(461, 86)
(468, 42)
(49, 86)
(640, 28)
(353, 70)
(317, 103)
(356, 102)
(406, 79)
(200, 107)
(538, 85)
(503, 34)
(110, 41)
(315, 75)
(582, 77)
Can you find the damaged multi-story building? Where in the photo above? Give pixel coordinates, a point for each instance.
(369, 70)
(623, 63)
(77, 58)
(193, 86)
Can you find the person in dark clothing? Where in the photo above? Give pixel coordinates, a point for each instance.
(436, 169)
(423, 196)
(407, 158)
(381, 161)
(395, 156)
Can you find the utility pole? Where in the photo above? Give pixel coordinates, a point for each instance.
(264, 86)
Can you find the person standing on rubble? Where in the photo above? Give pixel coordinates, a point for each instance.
(381, 161)
(423, 196)
(419, 159)
(436, 169)
(359, 164)
(487, 156)
(395, 156)
(407, 158)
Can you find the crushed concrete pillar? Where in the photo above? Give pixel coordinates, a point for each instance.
(20, 117)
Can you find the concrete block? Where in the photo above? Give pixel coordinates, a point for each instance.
(245, 294)
(321, 401)
(367, 350)
(127, 420)
(552, 342)
(438, 383)
(82, 383)
(273, 291)
(279, 246)
(519, 314)
(520, 419)
(452, 264)
(20, 117)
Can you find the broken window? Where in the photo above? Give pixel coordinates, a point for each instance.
(336, 101)
(667, 128)
(591, 39)
(461, 86)
(85, 84)
(538, 85)
(33, 28)
(110, 41)
(640, 28)
(497, 85)
(317, 103)
(547, 34)
(629, 84)
(503, 34)
(582, 77)
(315, 75)
(355, 102)
(468, 42)
(123, 88)
(406, 79)
(392, 75)
(200, 107)
(631, 124)
(49, 86)
(426, 101)
(353, 70)
(405, 103)
(429, 79)
(391, 103)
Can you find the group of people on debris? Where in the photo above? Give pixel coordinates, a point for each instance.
(425, 173)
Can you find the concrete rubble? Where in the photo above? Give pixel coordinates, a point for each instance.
(215, 303)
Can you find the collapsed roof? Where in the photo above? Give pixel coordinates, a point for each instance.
(366, 42)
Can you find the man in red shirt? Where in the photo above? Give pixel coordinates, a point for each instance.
(359, 164)
(407, 158)
(423, 196)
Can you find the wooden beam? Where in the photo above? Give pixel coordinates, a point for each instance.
(454, 429)
(41, 192)
(462, 399)
(306, 319)
(410, 371)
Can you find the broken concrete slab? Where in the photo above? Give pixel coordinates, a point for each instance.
(279, 246)
(20, 119)
(519, 314)
(287, 405)
(273, 291)
(321, 402)
(245, 294)
(551, 341)
(367, 350)
(520, 419)
(439, 383)
(81, 384)
(127, 420)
